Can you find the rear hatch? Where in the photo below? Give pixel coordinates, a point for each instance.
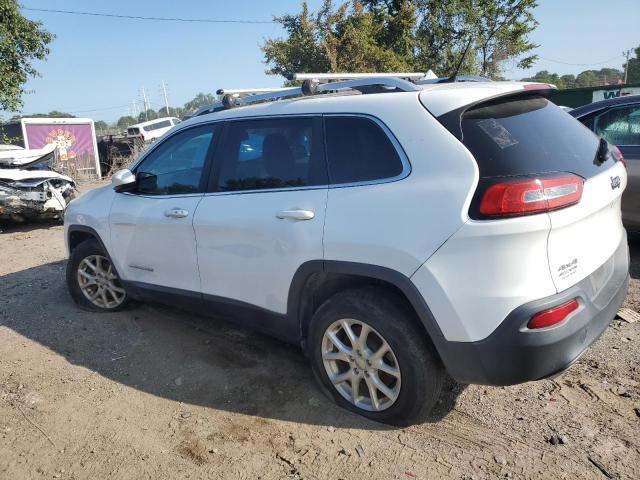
(535, 159)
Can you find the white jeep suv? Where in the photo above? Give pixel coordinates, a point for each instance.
(397, 231)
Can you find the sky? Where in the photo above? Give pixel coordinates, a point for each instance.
(98, 66)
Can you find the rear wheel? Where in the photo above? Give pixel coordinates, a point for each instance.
(93, 281)
(371, 358)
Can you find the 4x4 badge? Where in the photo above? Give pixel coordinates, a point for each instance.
(615, 182)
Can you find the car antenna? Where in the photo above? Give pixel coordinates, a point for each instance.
(452, 78)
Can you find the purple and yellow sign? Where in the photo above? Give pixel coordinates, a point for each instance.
(74, 142)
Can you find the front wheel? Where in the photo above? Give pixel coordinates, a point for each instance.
(370, 356)
(93, 281)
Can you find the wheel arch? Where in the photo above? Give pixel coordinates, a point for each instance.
(76, 234)
(315, 281)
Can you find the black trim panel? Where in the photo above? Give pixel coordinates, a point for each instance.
(296, 308)
(241, 313)
(85, 229)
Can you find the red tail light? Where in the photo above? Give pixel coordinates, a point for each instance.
(554, 315)
(617, 154)
(523, 196)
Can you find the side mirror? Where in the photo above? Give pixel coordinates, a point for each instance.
(123, 181)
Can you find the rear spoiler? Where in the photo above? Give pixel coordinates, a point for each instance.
(452, 120)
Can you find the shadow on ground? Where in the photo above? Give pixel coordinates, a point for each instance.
(7, 226)
(176, 355)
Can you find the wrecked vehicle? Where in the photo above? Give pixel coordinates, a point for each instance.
(29, 188)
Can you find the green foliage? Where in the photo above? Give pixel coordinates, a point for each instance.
(124, 122)
(199, 100)
(150, 114)
(400, 35)
(21, 42)
(101, 125)
(173, 112)
(633, 72)
(588, 78)
(51, 114)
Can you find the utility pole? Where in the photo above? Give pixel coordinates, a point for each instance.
(626, 65)
(146, 103)
(166, 100)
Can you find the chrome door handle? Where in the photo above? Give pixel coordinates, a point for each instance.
(296, 214)
(176, 213)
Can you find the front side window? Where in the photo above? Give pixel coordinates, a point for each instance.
(620, 126)
(270, 153)
(359, 150)
(175, 166)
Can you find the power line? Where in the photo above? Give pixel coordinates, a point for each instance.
(581, 64)
(155, 19)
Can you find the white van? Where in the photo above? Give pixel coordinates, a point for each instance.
(152, 129)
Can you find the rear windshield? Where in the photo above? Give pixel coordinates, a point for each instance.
(527, 135)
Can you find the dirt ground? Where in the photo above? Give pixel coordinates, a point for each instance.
(157, 393)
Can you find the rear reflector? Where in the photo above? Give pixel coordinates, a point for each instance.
(554, 315)
(523, 196)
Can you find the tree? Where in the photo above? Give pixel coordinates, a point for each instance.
(588, 78)
(351, 37)
(21, 42)
(150, 114)
(51, 114)
(385, 35)
(124, 122)
(101, 126)
(633, 69)
(198, 101)
(173, 112)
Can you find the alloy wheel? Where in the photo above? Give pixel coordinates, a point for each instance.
(361, 365)
(99, 282)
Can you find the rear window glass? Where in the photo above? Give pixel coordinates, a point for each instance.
(529, 135)
(359, 150)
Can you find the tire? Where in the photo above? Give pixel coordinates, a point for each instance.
(421, 374)
(93, 253)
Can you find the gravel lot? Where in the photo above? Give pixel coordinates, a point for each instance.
(157, 393)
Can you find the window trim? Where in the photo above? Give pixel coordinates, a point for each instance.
(603, 111)
(206, 167)
(404, 158)
(213, 176)
(221, 124)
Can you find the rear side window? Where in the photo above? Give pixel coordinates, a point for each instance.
(529, 135)
(620, 126)
(271, 153)
(359, 150)
(157, 126)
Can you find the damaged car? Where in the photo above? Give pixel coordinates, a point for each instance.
(29, 188)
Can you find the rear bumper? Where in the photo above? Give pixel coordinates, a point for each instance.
(514, 354)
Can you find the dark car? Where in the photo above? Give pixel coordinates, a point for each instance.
(617, 120)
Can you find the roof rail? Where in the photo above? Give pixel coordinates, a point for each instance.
(246, 91)
(315, 83)
(351, 76)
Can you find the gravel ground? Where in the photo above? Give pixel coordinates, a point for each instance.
(157, 393)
